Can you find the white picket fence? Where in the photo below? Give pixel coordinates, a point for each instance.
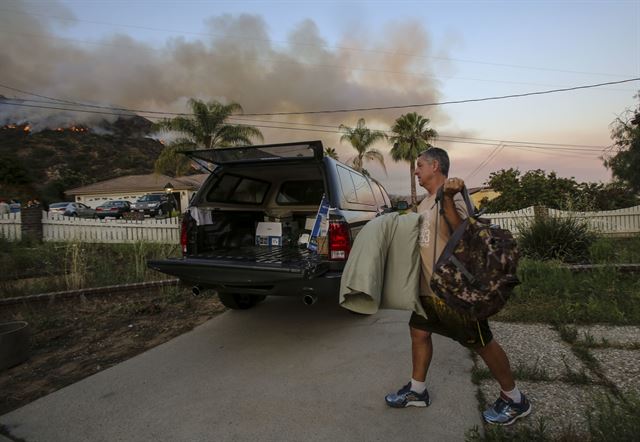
(622, 222)
(64, 228)
(512, 221)
(10, 226)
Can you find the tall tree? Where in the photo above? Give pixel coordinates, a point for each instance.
(411, 135)
(362, 139)
(625, 163)
(172, 162)
(206, 128)
(538, 188)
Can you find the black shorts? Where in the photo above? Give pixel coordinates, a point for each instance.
(443, 320)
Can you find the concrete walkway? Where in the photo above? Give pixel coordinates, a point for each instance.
(279, 372)
(548, 367)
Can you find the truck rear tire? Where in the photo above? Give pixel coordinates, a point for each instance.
(239, 301)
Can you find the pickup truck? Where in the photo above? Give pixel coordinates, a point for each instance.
(282, 183)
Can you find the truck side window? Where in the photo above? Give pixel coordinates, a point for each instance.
(348, 188)
(379, 195)
(363, 190)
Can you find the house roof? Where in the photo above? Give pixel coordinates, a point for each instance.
(473, 190)
(140, 183)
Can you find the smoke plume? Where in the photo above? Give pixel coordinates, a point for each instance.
(236, 62)
(233, 60)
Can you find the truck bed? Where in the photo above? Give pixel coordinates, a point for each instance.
(290, 259)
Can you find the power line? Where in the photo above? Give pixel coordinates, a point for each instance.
(442, 103)
(558, 147)
(486, 161)
(271, 121)
(407, 106)
(375, 51)
(556, 150)
(332, 129)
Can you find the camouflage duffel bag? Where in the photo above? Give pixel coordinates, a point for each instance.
(476, 272)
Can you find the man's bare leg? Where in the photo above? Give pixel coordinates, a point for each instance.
(511, 405)
(496, 359)
(415, 393)
(421, 353)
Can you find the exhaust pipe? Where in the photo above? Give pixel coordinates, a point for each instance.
(309, 299)
(196, 290)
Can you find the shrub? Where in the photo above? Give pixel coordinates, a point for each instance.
(564, 239)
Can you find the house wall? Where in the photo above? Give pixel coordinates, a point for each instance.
(481, 194)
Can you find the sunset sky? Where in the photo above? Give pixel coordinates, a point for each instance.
(296, 56)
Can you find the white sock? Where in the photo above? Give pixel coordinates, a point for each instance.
(417, 386)
(514, 395)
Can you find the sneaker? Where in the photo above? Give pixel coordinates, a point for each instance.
(405, 397)
(505, 411)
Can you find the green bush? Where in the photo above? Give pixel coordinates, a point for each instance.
(549, 238)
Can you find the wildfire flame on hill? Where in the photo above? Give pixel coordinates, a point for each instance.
(23, 127)
(27, 128)
(72, 129)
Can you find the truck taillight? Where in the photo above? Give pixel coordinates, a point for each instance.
(339, 240)
(183, 234)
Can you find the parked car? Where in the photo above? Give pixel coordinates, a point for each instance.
(154, 204)
(80, 210)
(278, 182)
(58, 208)
(113, 209)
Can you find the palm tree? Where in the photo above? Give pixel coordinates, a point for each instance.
(206, 128)
(361, 139)
(171, 161)
(331, 152)
(411, 136)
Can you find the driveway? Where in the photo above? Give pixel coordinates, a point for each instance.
(279, 372)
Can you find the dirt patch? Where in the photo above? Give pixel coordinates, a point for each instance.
(73, 339)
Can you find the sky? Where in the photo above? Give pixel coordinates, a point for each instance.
(297, 56)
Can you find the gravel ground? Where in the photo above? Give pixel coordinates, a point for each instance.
(557, 415)
(622, 367)
(536, 346)
(605, 334)
(539, 344)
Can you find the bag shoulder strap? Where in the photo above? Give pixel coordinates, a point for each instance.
(455, 235)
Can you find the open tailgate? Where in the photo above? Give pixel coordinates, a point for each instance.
(244, 265)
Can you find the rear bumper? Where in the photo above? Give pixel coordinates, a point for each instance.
(325, 285)
(146, 211)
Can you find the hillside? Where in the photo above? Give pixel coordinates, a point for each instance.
(45, 163)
